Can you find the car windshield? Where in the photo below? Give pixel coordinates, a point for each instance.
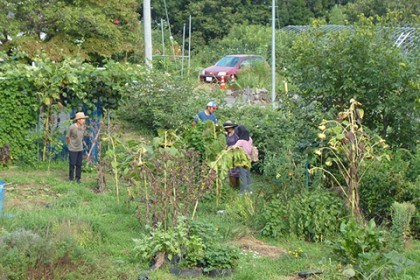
(228, 61)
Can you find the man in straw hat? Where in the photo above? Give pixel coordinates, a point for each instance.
(74, 140)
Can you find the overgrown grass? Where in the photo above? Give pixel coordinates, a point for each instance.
(95, 232)
(97, 224)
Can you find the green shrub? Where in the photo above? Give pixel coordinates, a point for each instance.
(388, 181)
(19, 110)
(221, 256)
(356, 239)
(401, 214)
(287, 173)
(166, 102)
(283, 135)
(26, 255)
(331, 68)
(313, 215)
(21, 251)
(207, 232)
(364, 250)
(174, 242)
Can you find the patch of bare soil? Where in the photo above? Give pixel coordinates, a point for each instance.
(28, 197)
(254, 245)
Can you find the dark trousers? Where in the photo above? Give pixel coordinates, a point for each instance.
(75, 161)
(245, 179)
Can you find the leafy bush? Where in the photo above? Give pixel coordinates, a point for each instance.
(172, 242)
(221, 256)
(26, 255)
(331, 68)
(21, 251)
(163, 101)
(19, 111)
(365, 250)
(207, 232)
(206, 138)
(388, 181)
(287, 173)
(280, 134)
(356, 239)
(313, 215)
(189, 244)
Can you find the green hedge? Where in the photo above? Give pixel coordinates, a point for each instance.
(18, 117)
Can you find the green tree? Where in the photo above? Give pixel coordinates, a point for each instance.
(364, 64)
(409, 9)
(294, 12)
(336, 16)
(211, 19)
(91, 29)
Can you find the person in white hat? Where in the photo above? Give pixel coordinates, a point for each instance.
(74, 140)
(207, 114)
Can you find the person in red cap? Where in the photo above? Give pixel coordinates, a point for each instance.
(74, 140)
(207, 114)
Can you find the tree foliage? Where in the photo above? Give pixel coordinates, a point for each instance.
(91, 29)
(211, 19)
(409, 10)
(363, 64)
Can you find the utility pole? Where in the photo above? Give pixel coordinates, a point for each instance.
(147, 18)
(273, 53)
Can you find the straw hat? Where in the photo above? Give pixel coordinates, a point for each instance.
(229, 124)
(80, 115)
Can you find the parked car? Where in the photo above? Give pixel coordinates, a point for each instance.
(229, 66)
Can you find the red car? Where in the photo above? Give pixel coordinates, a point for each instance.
(229, 66)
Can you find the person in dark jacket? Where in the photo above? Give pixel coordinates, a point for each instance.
(231, 138)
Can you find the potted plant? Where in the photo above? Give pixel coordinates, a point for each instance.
(220, 260)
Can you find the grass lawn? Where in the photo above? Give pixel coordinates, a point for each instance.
(92, 233)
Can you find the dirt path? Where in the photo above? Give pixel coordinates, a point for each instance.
(258, 247)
